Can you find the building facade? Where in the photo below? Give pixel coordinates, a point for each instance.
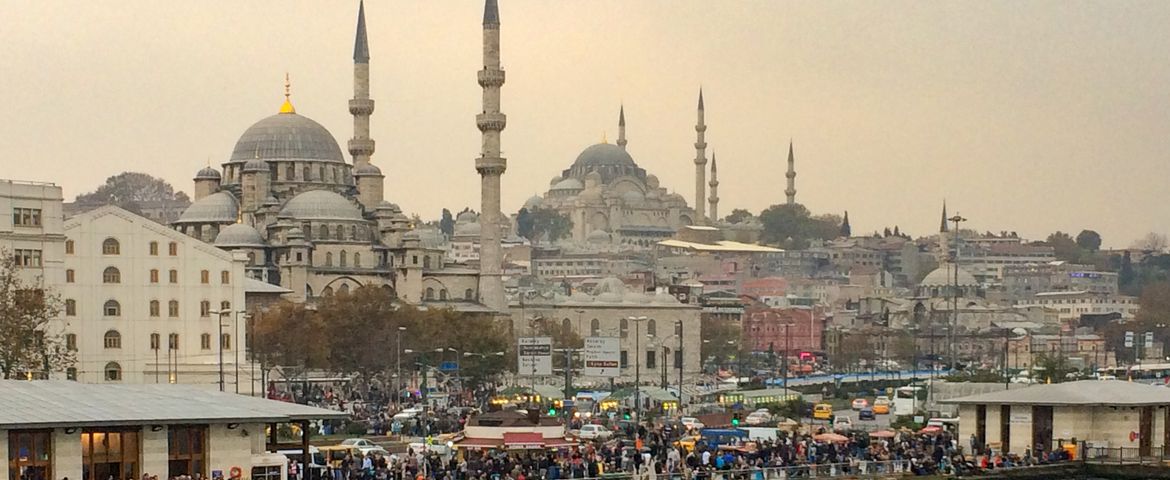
(31, 230)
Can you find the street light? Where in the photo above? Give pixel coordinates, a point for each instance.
(637, 364)
(220, 314)
(954, 292)
(398, 370)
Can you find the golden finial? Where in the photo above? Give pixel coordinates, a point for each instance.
(603, 139)
(287, 107)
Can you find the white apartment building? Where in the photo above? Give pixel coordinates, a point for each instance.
(31, 229)
(1071, 305)
(139, 302)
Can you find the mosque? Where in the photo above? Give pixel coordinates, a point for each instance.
(315, 224)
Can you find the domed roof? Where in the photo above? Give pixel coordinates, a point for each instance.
(239, 235)
(604, 154)
(610, 285)
(255, 165)
(368, 169)
(287, 136)
(945, 276)
(208, 173)
(219, 207)
(321, 205)
(598, 236)
(467, 228)
(468, 216)
(569, 184)
(533, 202)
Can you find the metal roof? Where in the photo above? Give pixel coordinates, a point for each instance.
(1087, 393)
(46, 403)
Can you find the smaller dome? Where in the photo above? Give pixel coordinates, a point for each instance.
(239, 235)
(610, 285)
(569, 184)
(652, 181)
(467, 229)
(598, 236)
(411, 236)
(367, 170)
(255, 165)
(554, 181)
(468, 216)
(208, 173)
(321, 205)
(533, 202)
(944, 276)
(219, 207)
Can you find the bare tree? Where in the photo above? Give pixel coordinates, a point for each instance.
(1152, 242)
(27, 344)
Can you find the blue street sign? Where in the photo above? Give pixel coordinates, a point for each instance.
(449, 366)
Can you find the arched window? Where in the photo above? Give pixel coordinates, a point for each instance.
(353, 232)
(290, 172)
(112, 309)
(154, 248)
(154, 308)
(173, 341)
(339, 232)
(113, 372)
(69, 247)
(430, 293)
(321, 172)
(111, 247)
(566, 327)
(344, 288)
(624, 327)
(205, 341)
(442, 294)
(71, 342)
(154, 275)
(155, 341)
(328, 259)
(357, 260)
(174, 276)
(651, 328)
(204, 277)
(343, 258)
(111, 275)
(204, 308)
(69, 276)
(225, 277)
(173, 308)
(305, 173)
(328, 291)
(426, 261)
(468, 294)
(594, 327)
(112, 339)
(678, 328)
(225, 341)
(70, 307)
(173, 249)
(225, 305)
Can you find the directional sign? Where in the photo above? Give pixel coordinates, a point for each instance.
(535, 356)
(1128, 339)
(1149, 338)
(449, 366)
(602, 357)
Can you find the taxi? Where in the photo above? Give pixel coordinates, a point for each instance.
(822, 411)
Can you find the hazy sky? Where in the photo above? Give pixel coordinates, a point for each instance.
(1028, 116)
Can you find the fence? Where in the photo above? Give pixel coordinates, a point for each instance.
(1125, 455)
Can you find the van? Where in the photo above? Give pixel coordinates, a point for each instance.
(822, 411)
(335, 454)
(714, 438)
(316, 469)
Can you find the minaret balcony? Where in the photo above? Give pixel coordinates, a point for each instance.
(361, 106)
(361, 147)
(491, 77)
(490, 166)
(491, 121)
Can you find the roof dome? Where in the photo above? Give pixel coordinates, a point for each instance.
(533, 202)
(287, 136)
(321, 205)
(610, 285)
(219, 207)
(945, 276)
(239, 235)
(604, 154)
(468, 216)
(255, 165)
(208, 173)
(467, 228)
(598, 236)
(569, 184)
(368, 169)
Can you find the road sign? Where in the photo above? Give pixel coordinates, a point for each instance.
(535, 356)
(449, 366)
(602, 357)
(1128, 339)
(1149, 339)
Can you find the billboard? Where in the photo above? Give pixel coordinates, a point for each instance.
(535, 356)
(602, 357)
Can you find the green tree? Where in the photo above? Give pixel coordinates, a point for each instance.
(1089, 240)
(28, 343)
(1053, 368)
(129, 190)
(1064, 247)
(720, 338)
(548, 223)
(738, 215)
(447, 223)
(524, 223)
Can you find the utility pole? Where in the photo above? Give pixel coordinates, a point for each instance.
(398, 372)
(638, 365)
(954, 292)
(681, 361)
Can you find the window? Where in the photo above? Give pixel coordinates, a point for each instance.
(344, 289)
(111, 275)
(414, 260)
(112, 309)
(113, 372)
(426, 261)
(26, 217)
(225, 305)
(30, 454)
(71, 373)
(204, 277)
(566, 327)
(342, 260)
(154, 308)
(327, 292)
(468, 294)
(69, 247)
(111, 247)
(173, 308)
(111, 451)
(186, 451)
(173, 249)
(112, 339)
(70, 307)
(155, 341)
(205, 308)
(154, 248)
(328, 259)
(430, 293)
(357, 260)
(69, 276)
(71, 342)
(205, 341)
(651, 328)
(651, 357)
(625, 359)
(154, 275)
(173, 341)
(442, 294)
(27, 257)
(678, 359)
(339, 232)
(174, 274)
(225, 341)
(594, 327)
(678, 328)
(624, 326)
(225, 277)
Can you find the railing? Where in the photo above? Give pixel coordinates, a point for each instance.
(1125, 455)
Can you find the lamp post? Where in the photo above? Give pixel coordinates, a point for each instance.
(398, 370)
(220, 314)
(637, 364)
(954, 291)
(681, 362)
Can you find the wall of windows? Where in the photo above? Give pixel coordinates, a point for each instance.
(187, 450)
(110, 453)
(30, 455)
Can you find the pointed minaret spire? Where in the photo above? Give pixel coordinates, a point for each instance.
(791, 190)
(700, 164)
(621, 142)
(361, 47)
(369, 179)
(942, 226)
(714, 184)
(490, 164)
(846, 230)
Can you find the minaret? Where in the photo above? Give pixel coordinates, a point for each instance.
(369, 178)
(714, 184)
(791, 190)
(622, 127)
(700, 165)
(846, 230)
(942, 227)
(489, 164)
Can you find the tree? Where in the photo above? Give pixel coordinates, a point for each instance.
(547, 222)
(720, 337)
(1151, 242)
(1064, 247)
(447, 223)
(27, 344)
(524, 223)
(129, 190)
(1089, 240)
(738, 215)
(1054, 368)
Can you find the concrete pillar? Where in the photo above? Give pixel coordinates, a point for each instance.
(66, 454)
(155, 453)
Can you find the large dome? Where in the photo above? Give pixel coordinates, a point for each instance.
(287, 136)
(604, 154)
(321, 205)
(944, 276)
(219, 207)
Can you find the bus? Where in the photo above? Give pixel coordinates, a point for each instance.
(908, 400)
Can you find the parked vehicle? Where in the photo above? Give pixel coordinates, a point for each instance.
(717, 437)
(316, 469)
(822, 411)
(691, 423)
(362, 444)
(841, 422)
(758, 417)
(594, 432)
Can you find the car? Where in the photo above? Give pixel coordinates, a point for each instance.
(860, 403)
(758, 418)
(822, 411)
(881, 406)
(841, 422)
(594, 432)
(691, 423)
(866, 414)
(363, 445)
(687, 442)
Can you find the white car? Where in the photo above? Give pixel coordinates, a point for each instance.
(593, 432)
(691, 423)
(841, 422)
(758, 418)
(363, 445)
